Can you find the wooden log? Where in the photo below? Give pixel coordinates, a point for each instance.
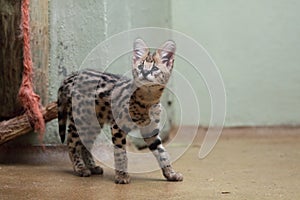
(11, 59)
(21, 125)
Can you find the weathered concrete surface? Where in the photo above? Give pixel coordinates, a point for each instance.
(245, 164)
(77, 27)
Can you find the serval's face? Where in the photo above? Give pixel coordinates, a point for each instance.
(152, 69)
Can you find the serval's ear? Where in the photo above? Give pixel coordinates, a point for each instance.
(140, 50)
(166, 53)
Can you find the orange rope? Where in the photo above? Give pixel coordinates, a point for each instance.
(27, 97)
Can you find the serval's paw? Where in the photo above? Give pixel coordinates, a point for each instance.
(97, 170)
(171, 175)
(83, 172)
(122, 177)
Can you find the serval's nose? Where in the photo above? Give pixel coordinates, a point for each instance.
(145, 73)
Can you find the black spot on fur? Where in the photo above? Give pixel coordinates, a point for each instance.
(115, 126)
(101, 94)
(70, 81)
(135, 120)
(140, 104)
(75, 135)
(118, 135)
(104, 94)
(72, 127)
(154, 145)
(78, 143)
(124, 141)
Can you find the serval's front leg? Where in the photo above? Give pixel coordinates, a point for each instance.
(152, 139)
(163, 158)
(119, 141)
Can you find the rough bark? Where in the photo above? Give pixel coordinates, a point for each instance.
(20, 125)
(11, 66)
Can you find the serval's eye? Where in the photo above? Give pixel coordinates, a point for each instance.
(140, 67)
(154, 68)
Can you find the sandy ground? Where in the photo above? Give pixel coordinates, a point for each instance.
(246, 163)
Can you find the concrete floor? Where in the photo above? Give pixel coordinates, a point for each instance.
(247, 163)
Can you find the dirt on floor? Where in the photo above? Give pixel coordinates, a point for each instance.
(246, 163)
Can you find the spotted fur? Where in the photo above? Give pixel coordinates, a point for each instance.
(123, 103)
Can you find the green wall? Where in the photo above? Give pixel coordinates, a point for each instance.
(77, 26)
(256, 45)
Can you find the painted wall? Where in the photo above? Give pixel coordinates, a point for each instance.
(77, 26)
(256, 46)
(254, 43)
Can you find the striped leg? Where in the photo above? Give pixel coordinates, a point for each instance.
(119, 141)
(88, 140)
(154, 143)
(79, 147)
(75, 151)
(89, 162)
